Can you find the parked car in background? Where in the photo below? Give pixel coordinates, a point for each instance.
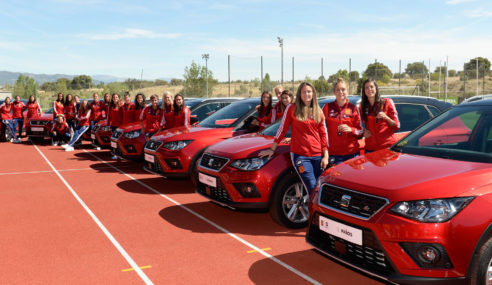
(418, 212)
(39, 128)
(231, 174)
(128, 141)
(175, 152)
(477, 98)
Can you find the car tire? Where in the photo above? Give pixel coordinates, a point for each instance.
(290, 203)
(194, 166)
(482, 265)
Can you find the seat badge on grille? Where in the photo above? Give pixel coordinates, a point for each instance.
(345, 201)
(211, 162)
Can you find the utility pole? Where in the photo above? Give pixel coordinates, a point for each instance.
(229, 72)
(322, 77)
(399, 80)
(446, 81)
(206, 56)
(261, 67)
(281, 44)
(464, 81)
(439, 92)
(423, 66)
(350, 76)
(477, 76)
(429, 73)
(293, 74)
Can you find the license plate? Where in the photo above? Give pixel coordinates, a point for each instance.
(340, 230)
(149, 158)
(37, 129)
(93, 136)
(207, 179)
(114, 145)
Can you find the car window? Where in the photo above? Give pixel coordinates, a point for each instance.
(206, 110)
(227, 116)
(433, 110)
(411, 116)
(272, 130)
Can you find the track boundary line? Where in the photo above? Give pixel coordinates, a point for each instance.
(116, 244)
(243, 241)
(49, 171)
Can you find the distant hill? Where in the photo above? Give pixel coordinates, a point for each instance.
(11, 77)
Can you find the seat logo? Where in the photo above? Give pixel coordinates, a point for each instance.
(211, 162)
(345, 201)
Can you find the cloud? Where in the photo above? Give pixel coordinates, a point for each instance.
(131, 34)
(455, 2)
(478, 13)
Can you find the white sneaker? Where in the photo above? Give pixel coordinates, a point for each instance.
(69, 148)
(97, 148)
(11, 140)
(115, 157)
(17, 140)
(64, 145)
(55, 143)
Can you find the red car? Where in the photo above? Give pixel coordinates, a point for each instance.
(175, 152)
(231, 174)
(419, 212)
(128, 142)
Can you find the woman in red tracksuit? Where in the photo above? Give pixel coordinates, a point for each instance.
(265, 110)
(33, 108)
(127, 110)
(58, 106)
(379, 116)
(115, 112)
(151, 117)
(167, 121)
(17, 115)
(60, 132)
(83, 121)
(343, 124)
(286, 98)
(6, 116)
(70, 111)
(97, 110)
(106, 103)
(181, 112)
(309, 138)
(140, 104)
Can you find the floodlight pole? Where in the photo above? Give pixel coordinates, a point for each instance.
(206, 56)
(281, 44)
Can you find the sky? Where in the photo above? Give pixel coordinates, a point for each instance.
(122, 38)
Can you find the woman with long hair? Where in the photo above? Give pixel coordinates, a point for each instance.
(18, 108)
(343, 124)
(379, 116)
(265, 110)
(83, 121)
(58, 105)
(6, 116)
(286, 98)
(167, 121)
(181, 112)
(127, 110)
(106, 103)
(139, 105)
(97, 109)
(33, 108)
(309, 138)
(115, 112)
(70, 111)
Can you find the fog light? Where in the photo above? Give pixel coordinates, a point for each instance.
(428, 254)
(247, 190)
(173, 163)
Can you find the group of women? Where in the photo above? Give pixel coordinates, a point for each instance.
(320, 137)
(12, 115)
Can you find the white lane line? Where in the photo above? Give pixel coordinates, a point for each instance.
(122, 251)
(259, 250)
(60, 170)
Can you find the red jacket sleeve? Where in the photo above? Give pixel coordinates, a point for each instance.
(357, 124)
(323, 134)
(284, 124)
(392, 113)
(186, 117)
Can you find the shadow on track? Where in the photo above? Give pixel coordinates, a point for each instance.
(233, 221)
(315, 265)
(163, 185)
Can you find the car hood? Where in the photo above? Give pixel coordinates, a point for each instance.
(401, 177)
(244, 146)
(130, 127)
(184, 133)
(44, 117)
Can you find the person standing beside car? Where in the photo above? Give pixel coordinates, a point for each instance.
(343, 124)
(33, 108)
(167, 121)
(379, 116)
(309, 137)
(139, 106)
(181, 112)
(83, 121)
(58, 105)
(6, 115)
(127, 110)
(115, 113)
(286, 98)
(97, 109)
(70, 111)
(151, 117)
(264, 111)
(106, 103)
(17, 115)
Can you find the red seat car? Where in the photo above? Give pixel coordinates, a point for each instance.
(419, 212)
(231, 174)
(128, 142)
(175, 152)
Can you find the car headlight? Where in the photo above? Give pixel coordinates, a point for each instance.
(176, 145)
(431, 211)
(250, 164)
(133, 134)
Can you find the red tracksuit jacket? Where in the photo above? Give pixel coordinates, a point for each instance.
(115, 116)
(33, 110)
(84, 119)
(167, 121)
(70, 111)
(6, 111)
(60, 129)
(57, 109)
(382, 135)
(308, 138)
(182, 118)
(151, 118)
(128, 113)
(345, 143)
(97, 110)
(17, 109)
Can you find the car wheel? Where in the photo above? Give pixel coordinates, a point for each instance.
(290, 203)
(482, 266)
(193, 168)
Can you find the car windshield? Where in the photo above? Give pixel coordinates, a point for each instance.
(227, 116)
(272, 130)
(190, 103)
(463, 133)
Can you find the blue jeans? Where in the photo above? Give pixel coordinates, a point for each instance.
(308, 168)
(77, 135)
(9, 127)
(18, 122)
(337, 159)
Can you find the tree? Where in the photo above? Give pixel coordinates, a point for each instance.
(266, 83)
(25, 86)
(354, 76)
(483, 67)
(176, 82)
(452, 73)
(196, 81)
(81, 82)
(377, 70)
(48, 86)
(62, 85)
(416, 68)
(160, 82)
(343, 73)
(443, 69)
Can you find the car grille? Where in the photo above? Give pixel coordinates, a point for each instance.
(153, 145)
(370, 256)
(213, 162)
(351, 202)
(155, 167)
(39, 122)
(218, 193)
(117, 134)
